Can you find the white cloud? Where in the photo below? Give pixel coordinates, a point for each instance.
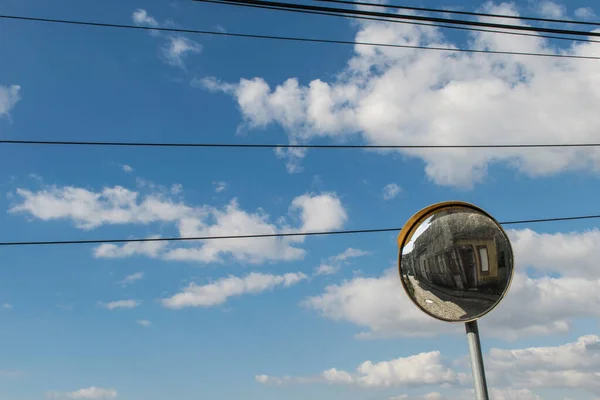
(177, 48)
(585, 13)
(405, 96)
(36, 177)
(90, 393)
(141, 17)
(320, 212)
(513, 394)
(231, 220)
(88, 209)
(380, 304)
(417, 370)
(332, 264)
(218, 292)
(176, 188)
(7, 306)
(144, 322)
(93, 393)
(573, 365)
(551, 9)
(149, 249)
(428, 396)
(127, 168)
(390, 191)
(348, 254)
(512, 374)
(570, 254)
(9, 97)
(325, 269)
(113, 305)
(220, 186)
(128, 280)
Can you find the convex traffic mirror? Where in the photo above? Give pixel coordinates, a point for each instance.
(455, 261)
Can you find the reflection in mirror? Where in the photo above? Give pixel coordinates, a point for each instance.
(456, 264)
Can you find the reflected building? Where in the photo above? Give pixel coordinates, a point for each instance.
(461, 250)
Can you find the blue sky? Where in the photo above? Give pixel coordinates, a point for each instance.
(270, 318)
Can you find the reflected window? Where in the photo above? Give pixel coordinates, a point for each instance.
(483, 256)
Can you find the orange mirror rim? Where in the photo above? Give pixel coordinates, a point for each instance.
(417, 218)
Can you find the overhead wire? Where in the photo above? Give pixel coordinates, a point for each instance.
(458, 12)
(316, 10)
(298, 39)
(290, 6)
(269, 235)
(293, 146)
(397, 21)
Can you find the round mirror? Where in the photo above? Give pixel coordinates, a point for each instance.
(455, 261)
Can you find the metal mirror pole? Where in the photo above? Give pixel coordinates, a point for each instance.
(481, 391)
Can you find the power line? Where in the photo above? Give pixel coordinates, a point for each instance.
(297, 39)
(289, 6)
(269, 235)
(397, 21)
(433, 10)
(292, 146)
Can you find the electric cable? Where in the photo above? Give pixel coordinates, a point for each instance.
(269, 235)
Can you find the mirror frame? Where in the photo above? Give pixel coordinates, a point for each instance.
(403, 237)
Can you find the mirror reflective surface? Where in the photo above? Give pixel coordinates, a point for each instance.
(456, 263)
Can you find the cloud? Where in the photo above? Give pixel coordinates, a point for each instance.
(550, 9)
(177, 48)
(144, 322)
(9, 97)
(408, 96)
(176, 188)
(91, 393)
(141, 17)
(218, 292)
(573, 365)
(89, 209)
(320, 212)
(417, 370)
(348, 254)
(332, 264)
(325, 269)
(512, 373)
(127, 168)
(113, 305)
(428, 396)
(128, 280)
(231, 220)
(570, 254)
(149, 249)
(7, 306)
(585, 13)
(390, 191)
(513, 394)
(380, 304)
(220, 186)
